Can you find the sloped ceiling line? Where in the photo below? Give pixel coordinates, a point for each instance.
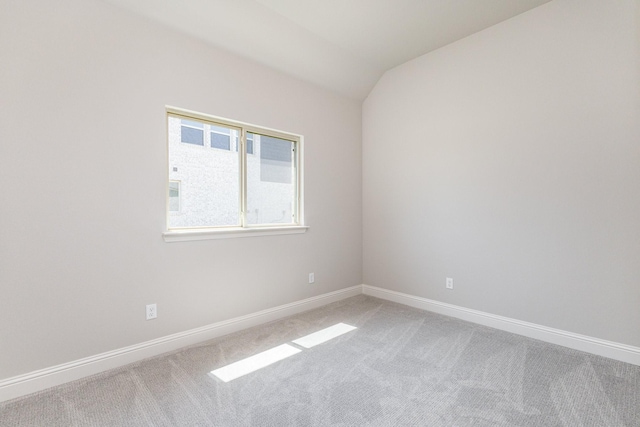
(342, 45)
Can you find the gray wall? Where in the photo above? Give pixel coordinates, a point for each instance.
(510, 161)
(83, 171)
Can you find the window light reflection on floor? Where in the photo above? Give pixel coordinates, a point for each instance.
(255, 362)
(324, 335)
(268, 357)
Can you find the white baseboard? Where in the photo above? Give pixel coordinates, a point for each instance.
(32, 382)
(612, 350)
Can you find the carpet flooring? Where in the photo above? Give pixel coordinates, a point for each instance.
(400, 367)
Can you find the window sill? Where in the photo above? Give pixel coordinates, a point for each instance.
(230, 233)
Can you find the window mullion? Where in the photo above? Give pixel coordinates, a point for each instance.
(243, 177)
(296, 192)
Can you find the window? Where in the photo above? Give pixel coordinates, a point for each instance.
(191, 132)
(245, 178)
(221, 137)
(249, 144)
(174, 196)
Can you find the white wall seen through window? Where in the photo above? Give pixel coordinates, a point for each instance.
(226, 174)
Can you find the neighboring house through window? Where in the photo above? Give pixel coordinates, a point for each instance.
(174, 196)
(245, 176)
(192, 132)
(221, 137)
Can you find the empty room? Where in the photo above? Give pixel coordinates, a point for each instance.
(320, 213)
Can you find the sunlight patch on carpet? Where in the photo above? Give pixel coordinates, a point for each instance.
(324, 335)
(255, 362)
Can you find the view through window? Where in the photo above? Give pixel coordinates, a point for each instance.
(225, 174)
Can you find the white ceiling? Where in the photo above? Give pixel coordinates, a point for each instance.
(343, 45)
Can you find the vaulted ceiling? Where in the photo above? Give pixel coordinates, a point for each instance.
(343, 45)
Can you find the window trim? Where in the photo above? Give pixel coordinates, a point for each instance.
(186, 235)
(244, 229)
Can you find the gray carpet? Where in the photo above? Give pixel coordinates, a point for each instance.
(402, 366)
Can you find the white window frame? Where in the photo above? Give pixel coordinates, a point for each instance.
(244, 230)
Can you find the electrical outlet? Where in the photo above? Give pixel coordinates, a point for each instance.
(449, 283)
(152, 311)
(312, 278)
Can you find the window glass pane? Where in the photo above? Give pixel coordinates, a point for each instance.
(191, 135)
(191, 123)
(271, 178)
(174, 196)
(220, 141)
(220, 129)
(249, 145)
(210, 183)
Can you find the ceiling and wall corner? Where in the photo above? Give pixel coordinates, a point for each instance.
(341, 45)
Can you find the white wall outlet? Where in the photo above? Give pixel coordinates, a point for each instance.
(152, 311)
(449, 283)
(312, 278)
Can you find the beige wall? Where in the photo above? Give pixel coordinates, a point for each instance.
(510, 161)
(83, 167)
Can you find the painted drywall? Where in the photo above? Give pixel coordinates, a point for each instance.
(83, 170)
(510, 162)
